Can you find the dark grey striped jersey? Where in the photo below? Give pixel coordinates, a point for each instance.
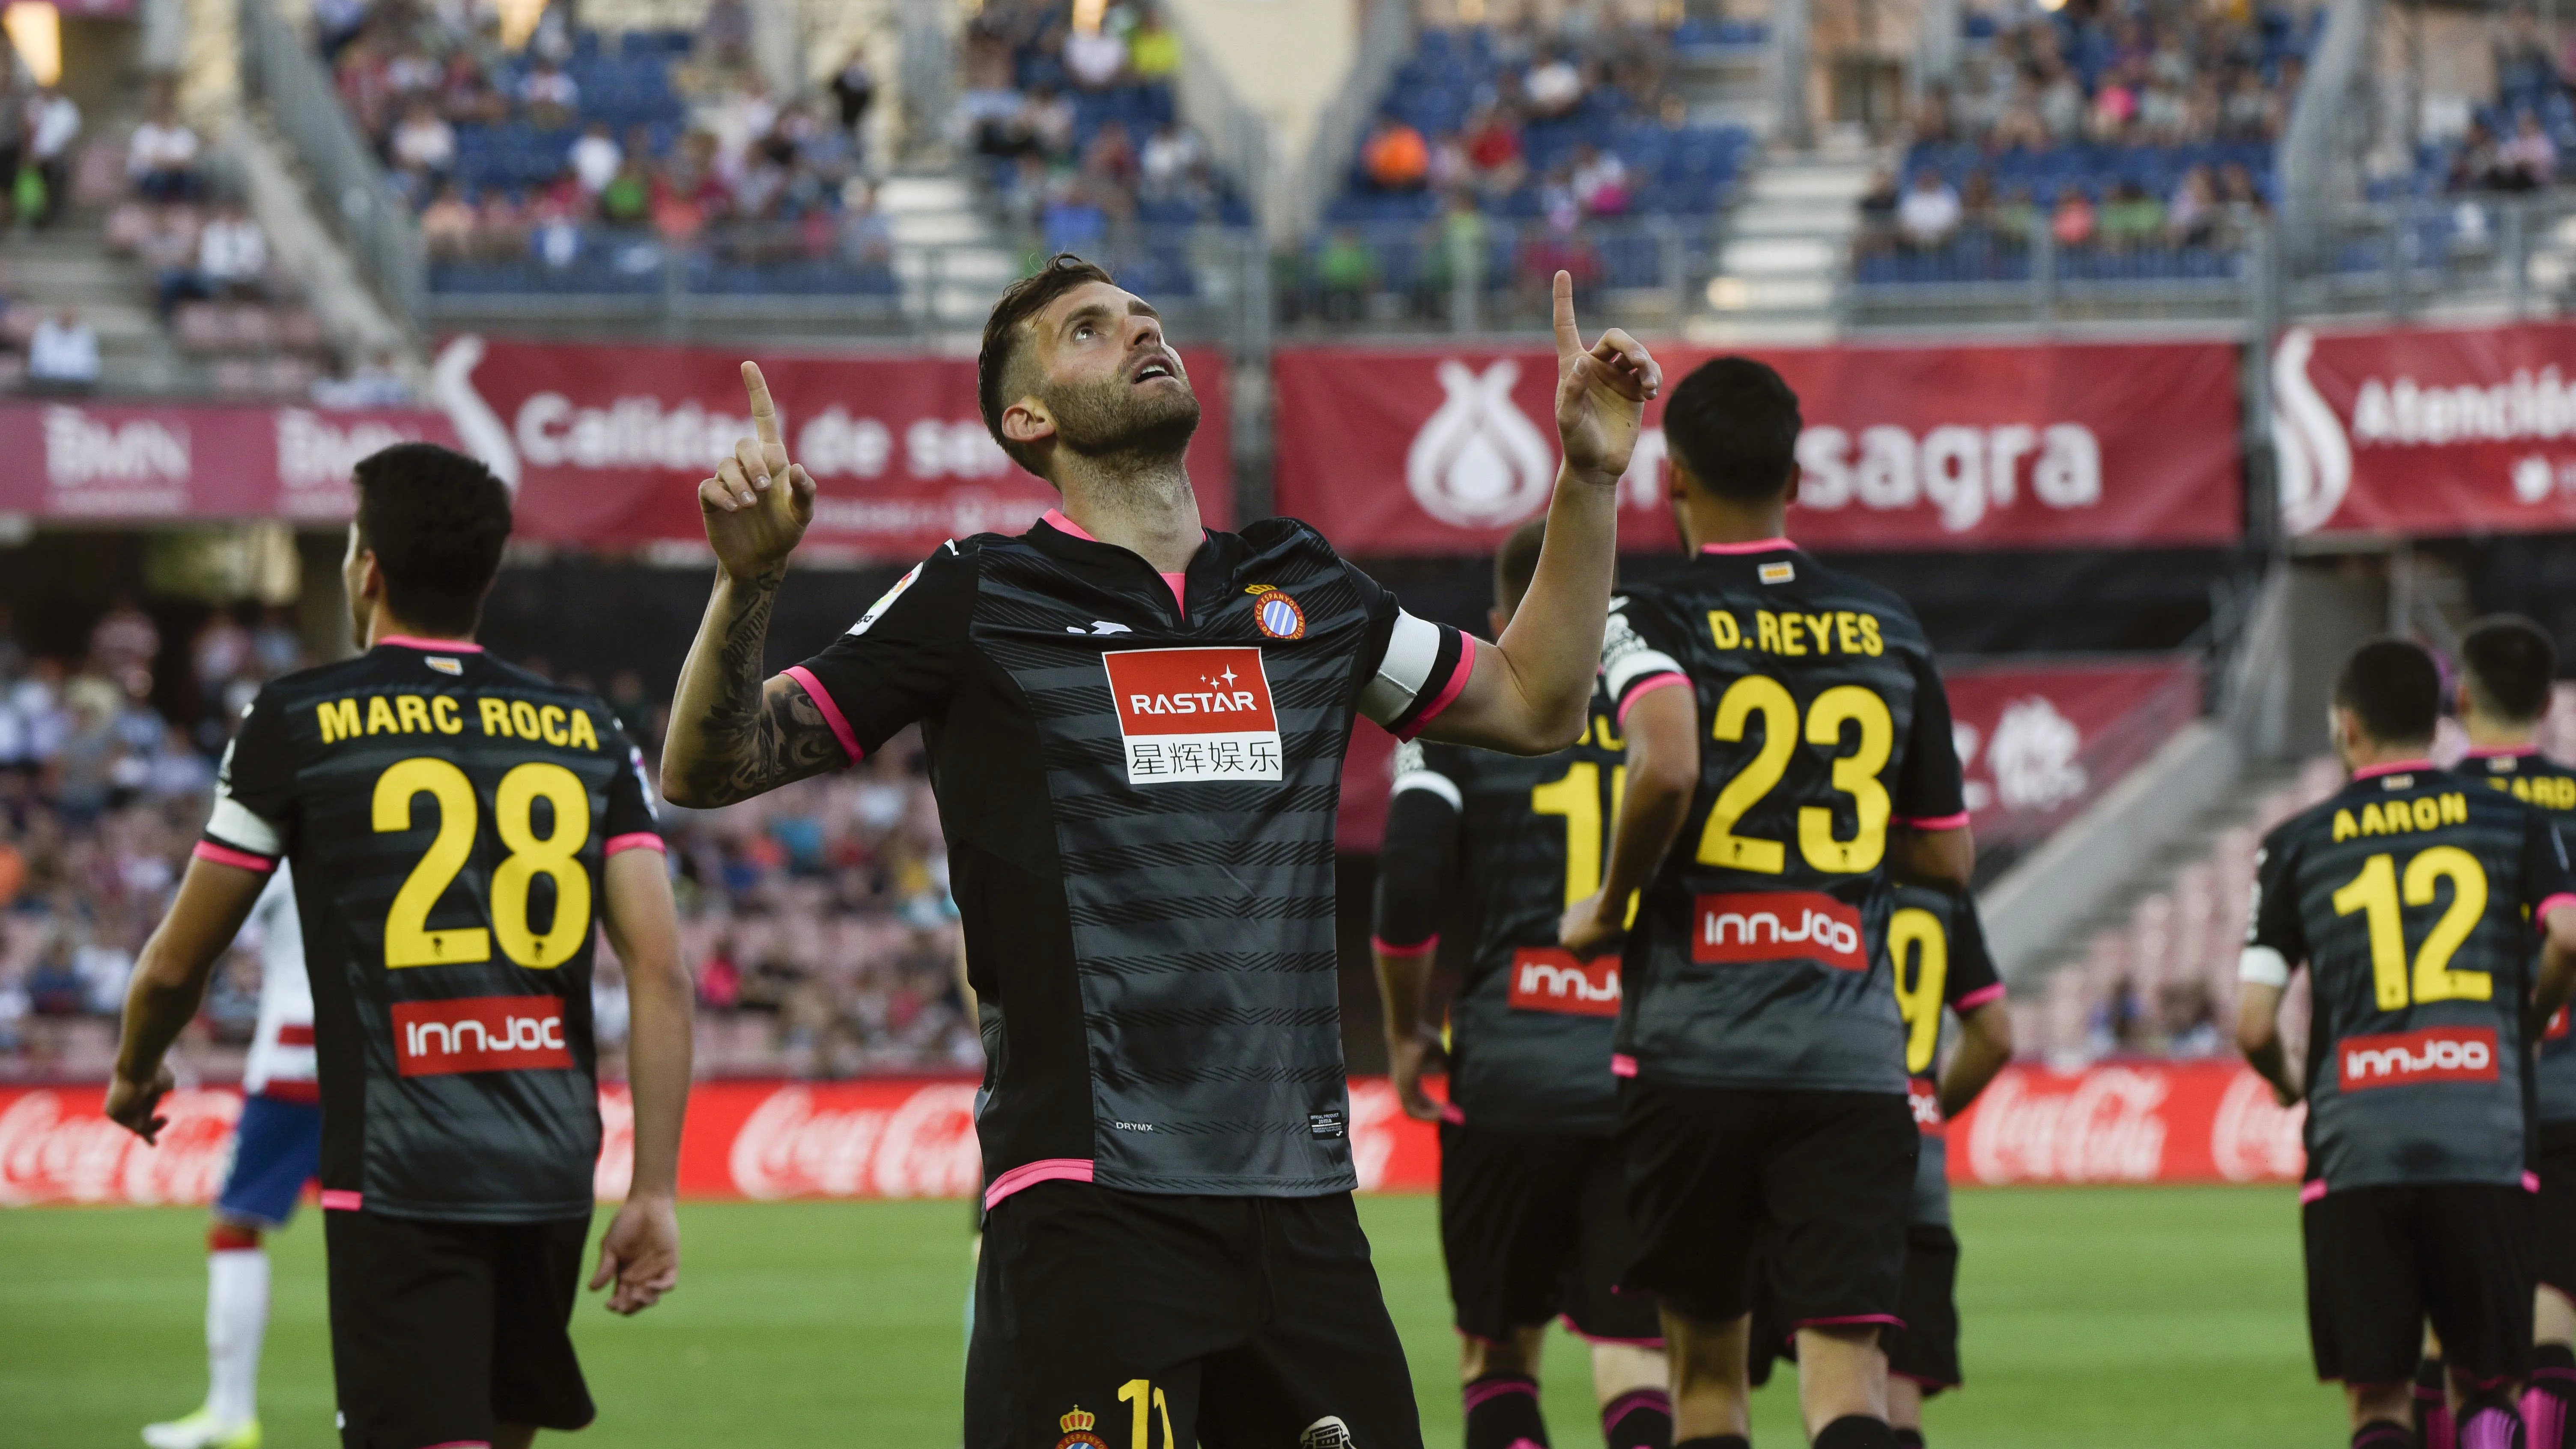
(1511, 843)
(1755, 959)
(448, 816)
(1138, 777)
(2410, 896)
(2549, 787)
(1937, 954)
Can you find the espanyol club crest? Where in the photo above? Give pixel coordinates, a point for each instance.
(1077, 1428)
(1276, 614)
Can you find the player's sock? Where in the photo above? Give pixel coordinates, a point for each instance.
(1909, 1439)
(1502, 1413)
(1716, 1441)
(2381, 1434)
(2490, 1422)
(2433, 1426)
(1856, 1431)
(236, 1321)
(1638, 1419)
(2552, 1390)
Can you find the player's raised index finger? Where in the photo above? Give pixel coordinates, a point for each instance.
(1569, 342)
(764, 413)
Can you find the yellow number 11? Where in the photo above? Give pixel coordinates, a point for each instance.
(1135, 1391)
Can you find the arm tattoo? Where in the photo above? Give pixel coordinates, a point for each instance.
(756, 739)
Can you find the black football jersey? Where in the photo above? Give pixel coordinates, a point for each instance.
(2410, 896)
(2550, 787)
(1936, 947)
(1524, 838)
(1754, 960)
(1138, 777)
(448, 816)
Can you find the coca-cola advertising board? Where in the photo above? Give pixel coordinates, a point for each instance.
(117, 463)
(606, 444)
(2046, 445)
(2435, 430)
(743, 1139)
(2145, 1121)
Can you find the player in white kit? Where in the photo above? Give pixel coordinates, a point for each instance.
(276, 1149)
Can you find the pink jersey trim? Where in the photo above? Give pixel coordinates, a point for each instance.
(2310, 1191)
(1179, 582)
(434, 646)
(1647, 686)
(2552, 903)
(1851, 1320)
(1937, 822)
(1978, 997)
(637, 840)
(341, 1200)
(1607, 1416)
(1759, 545)
(2531, 1182)
(1449, 692)
(1423, 947)
(832, 715)
(2502, 752)
(1453, 1114)
(1622, 1065)
(239, 859)
(464, 1444)
(1054, 518)
(2399, 767)
(1030, 1174)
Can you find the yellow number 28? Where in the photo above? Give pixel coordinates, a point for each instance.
(409, 941)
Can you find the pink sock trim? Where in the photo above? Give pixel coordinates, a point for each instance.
(822, 698)
(1635, 1399)
(637, 840)
(2310, 1191)
(1850, 1320)
(1485, 1390)
(1448, 694)
(1030, 1174)
(1423, 947)
(238, 859)
(2545, 1415)
(341, 1200)
(1622, 1065)
(1645, 687)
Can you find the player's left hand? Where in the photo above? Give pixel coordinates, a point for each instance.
(1583, 932)
(641, 1251)
(135, 1106)
(1601, 393)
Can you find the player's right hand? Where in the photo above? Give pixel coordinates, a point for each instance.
(757, 505)
(135, 1106)
(1407, 1059)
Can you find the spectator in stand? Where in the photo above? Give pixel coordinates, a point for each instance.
(232, 262)
(2528, 162)
(1600, 182)
(2191, 218)
(161, 156)
(1346, 273)
(1494, 151)
(423, 145)
(1095, 59)
(2073, 219)
(14, 121)
(2131, 218)
(595, 158)
(854, 89)
(1928, 215)
(1169, 165)
(866, 240)
(1553, 87)
(62, 356)
(1153, 48)
(552, 97)
(53, 123)
(377, 382)
(1395, 157)
(724, 36)
(447, 225)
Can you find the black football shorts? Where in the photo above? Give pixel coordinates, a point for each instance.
(1925, 1350)
(2554, 1245)
(442, 1330)
(2382, 1261)
(1105, 1317)
(1535, 1226)
(1810, 1189)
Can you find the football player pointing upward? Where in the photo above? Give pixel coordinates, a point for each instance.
(1135, 729)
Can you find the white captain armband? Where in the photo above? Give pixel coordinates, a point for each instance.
(2263, 966)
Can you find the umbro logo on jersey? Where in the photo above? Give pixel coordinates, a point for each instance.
(1200, 715)
(1778, 926)
(1548, 978)
(1100, 626)
(479, 1034)
(2431, 1054)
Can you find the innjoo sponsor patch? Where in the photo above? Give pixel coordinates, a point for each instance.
(1778, 926)
(1194, 715)
(1548, 978)
(480, 1034)
(2432, 1054)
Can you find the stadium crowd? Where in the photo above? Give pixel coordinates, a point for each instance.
(815, 920)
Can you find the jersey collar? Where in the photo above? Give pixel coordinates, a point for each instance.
(2394, 767)
(1759, 545)
(2502, 752)
(433, 646)
(1063, 539)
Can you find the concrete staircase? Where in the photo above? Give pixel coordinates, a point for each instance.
(950, 254)
(70, 266)
(1786, 245)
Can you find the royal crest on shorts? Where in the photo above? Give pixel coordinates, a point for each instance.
(1077, 1430)
(1276, 614)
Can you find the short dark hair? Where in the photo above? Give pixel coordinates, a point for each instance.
(2509, 661)
(1516, 563)
(2393, 686)
(1734, 424)
(1006, 328)
(436, 521)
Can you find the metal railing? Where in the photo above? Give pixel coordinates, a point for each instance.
(1386, 38)
(1491, 275)
(280, 66)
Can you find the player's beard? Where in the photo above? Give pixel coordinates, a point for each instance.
(1125, 429)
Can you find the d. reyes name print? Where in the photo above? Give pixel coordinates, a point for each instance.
(1194, 715)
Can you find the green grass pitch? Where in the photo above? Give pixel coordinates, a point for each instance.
(2096, 1318)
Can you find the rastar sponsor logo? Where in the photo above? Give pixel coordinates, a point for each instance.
(1194, 715)
(479, 1034)
(56, 1147)
(141, 465)
(2429, 1054)
(793, 1145)
(1548, 978)
(1778, 926)
(2104, 1125)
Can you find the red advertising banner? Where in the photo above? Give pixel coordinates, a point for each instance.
(756, 1140)
(608, 443)
(1441, 451)
(2435, 430)
(103, 462)
(2145, 1121)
